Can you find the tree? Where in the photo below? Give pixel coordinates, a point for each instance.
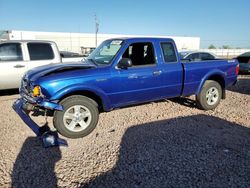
(225, 47)
(211, 46)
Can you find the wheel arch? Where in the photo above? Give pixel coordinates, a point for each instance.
(99, 97)
(88, 94)
(215, 76)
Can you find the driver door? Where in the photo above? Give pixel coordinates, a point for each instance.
(139, 83)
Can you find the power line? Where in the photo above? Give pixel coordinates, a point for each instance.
(97, 23)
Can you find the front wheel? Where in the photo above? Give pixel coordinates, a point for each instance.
(78, 118)
(210, 95)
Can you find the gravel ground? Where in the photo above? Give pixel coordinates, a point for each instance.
(164, 144)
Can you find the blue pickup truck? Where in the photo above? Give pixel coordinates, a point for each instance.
(120, 72)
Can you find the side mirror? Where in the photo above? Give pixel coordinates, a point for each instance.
(124, 63)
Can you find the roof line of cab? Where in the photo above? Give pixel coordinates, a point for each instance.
(131, 39)
(25, 41)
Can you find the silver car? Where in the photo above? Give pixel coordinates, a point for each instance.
(196, 56)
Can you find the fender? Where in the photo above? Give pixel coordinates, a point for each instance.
(215, 72)
(76, 88)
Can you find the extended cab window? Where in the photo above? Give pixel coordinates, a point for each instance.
(40, 51)
(11, 52)
(168, 52)
(140, 54)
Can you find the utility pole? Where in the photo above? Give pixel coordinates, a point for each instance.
(96, 29)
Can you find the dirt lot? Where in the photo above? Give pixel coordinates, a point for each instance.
(165, 144)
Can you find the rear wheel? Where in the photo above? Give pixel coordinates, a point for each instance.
(78, 118)
(210, 95)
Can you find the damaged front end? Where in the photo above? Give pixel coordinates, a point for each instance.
(27, 104)
(36, 89)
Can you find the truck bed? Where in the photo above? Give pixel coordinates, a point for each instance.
(196, 73)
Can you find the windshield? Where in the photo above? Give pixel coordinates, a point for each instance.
(105, 53)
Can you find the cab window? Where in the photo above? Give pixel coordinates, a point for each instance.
(11, 52)
(141, 54)
(40, 51)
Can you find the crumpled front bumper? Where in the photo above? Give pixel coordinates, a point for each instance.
(48, 137)
(40, 102)
(18, 106)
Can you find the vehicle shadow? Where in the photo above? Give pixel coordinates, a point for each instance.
(184, 101)
(9, 92)
(34, 165)
(192, 151)
(242, 86)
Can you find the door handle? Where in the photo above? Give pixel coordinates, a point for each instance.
(132, 76)
(157, 73)
(19, 66)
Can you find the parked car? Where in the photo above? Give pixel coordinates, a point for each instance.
(16, 57)
(196, 56)
(87, 50)
(244, 61)
(71, 57)
(67, 54)
(120, 72)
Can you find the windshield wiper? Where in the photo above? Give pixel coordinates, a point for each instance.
(103, 62)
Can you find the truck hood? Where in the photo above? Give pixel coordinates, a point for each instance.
(47, 70)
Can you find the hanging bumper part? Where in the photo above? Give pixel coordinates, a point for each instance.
(49, 138)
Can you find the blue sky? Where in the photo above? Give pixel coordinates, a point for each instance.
(217, 22)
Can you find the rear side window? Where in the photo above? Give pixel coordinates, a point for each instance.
(168, 52)
(40, 51)
(11, 52)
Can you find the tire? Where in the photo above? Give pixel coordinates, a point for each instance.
(210, 95)
(78, 118)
